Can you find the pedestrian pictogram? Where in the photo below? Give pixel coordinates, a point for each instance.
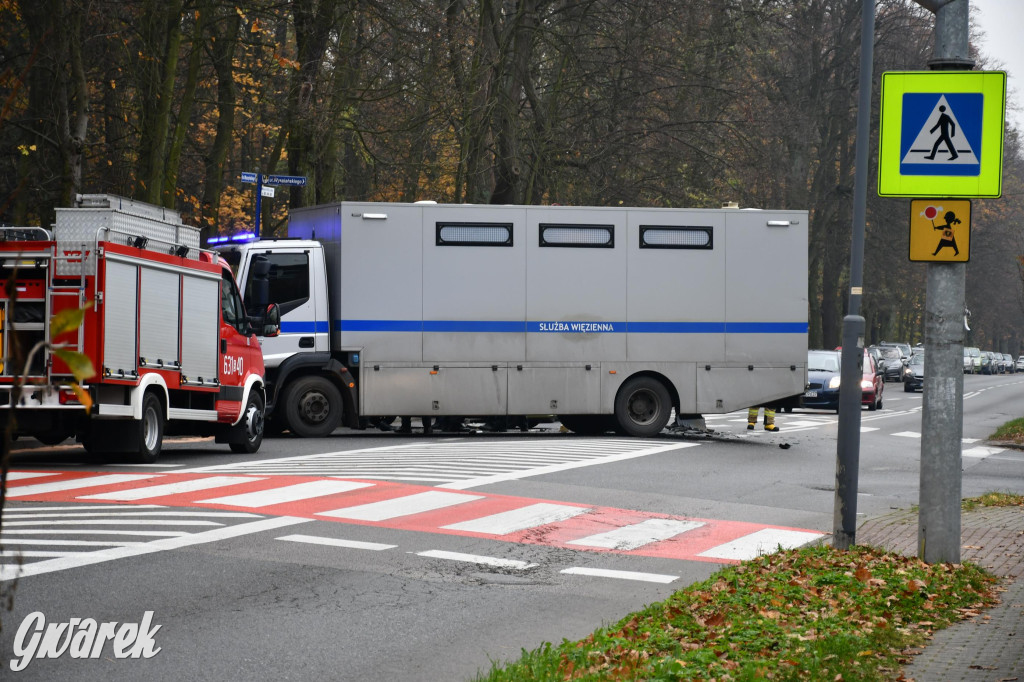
(942, 134)
(946, 136)
(940, 230)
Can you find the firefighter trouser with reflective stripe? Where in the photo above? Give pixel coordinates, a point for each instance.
(769, 416)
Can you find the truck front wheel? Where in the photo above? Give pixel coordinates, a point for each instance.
(249, 431)
(312, 407)
(642, 407)
(151, 429)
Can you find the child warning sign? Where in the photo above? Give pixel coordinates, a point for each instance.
(940, 230)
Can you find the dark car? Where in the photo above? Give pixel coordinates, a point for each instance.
(823, 377)
(892, 363)
(913, 380)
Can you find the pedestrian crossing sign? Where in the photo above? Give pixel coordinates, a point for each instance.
(940, 230)
(941, 134)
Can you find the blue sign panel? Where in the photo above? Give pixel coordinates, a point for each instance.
(295, 180)
(249, 177)
(941, 134)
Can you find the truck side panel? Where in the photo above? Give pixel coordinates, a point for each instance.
(474, 300)
(199, 297)
(159, 323)
(120, 319)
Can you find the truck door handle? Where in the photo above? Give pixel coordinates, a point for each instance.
(223, 346)
(306, 342)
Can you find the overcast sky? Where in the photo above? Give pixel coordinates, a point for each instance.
(1002, 21)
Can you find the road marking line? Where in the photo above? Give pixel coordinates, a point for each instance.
(760, 542)
(475, 559)
(868, 429)
(970, 440)
(514, 520)
(334, 542)
(88, 558)
(122, 507)
(74, 484)
(622, 575)
(289, 493)
(401, 506)
(172, 488)
(21, 475)
(980, 451)
(70, 543)
(908, 434)
(113, 522)
(638, 534)
(33, 554)
(145, 533)
(554, 468)
(125, 511)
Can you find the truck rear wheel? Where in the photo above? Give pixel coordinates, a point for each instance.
(249, 431)
(312, 407)
(642, 407)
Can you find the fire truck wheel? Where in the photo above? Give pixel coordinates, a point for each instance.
(312, 407)
(251, 427)
(642, 407)
(151, 429)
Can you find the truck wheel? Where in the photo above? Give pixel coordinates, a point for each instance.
(642, 407)
(313, 407)
(586, 424)
(249, 431)
(150, 430)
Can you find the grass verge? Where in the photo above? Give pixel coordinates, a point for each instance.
(809, 614)
(1011, 432)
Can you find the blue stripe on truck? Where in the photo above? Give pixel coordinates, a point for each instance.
(566, 327)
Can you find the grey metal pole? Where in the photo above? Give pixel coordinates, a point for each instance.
(938, 526)
(844, 522)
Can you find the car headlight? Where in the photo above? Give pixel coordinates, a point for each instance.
(865, 384)
(833, 382)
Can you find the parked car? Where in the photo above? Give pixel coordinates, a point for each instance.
(913, 380)
(969, 361)
(1008, 366)
(976, 355)
(892, 363)
(876, 354)
(986, 362)
(823, 379)
(905, 348)
(1020, 364)
(872, 384)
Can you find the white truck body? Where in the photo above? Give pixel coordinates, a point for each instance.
(466, 310)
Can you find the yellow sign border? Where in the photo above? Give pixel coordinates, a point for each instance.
(917, 206)
(988, 184)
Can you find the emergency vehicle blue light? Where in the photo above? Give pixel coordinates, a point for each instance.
(243, 237)
(216, 240)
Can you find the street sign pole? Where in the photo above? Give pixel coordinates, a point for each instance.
(938, 530)
(844, 522)
(259, 205)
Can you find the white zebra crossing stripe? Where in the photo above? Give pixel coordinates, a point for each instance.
(519, 519)
(981, 451)
(74, 483)
(148, 492)
(22, 475)
(621, 575)
(476, 559)
(11, 572)
(401, 506)
(288, 493)
(336, 542)
(760, 542)
(638, 534)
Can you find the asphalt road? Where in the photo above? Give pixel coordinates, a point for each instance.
(414, 560)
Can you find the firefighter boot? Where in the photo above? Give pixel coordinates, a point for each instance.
(752, 418)
(769, 420)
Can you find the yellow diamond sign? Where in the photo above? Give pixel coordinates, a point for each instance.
(940, 230)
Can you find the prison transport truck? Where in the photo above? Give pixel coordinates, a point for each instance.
(606, 317)
(164, 327)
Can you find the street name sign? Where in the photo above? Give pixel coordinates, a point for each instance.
(941, 134)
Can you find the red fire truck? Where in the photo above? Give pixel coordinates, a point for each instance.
(164, 327)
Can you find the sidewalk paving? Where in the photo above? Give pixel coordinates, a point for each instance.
(990, 647)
